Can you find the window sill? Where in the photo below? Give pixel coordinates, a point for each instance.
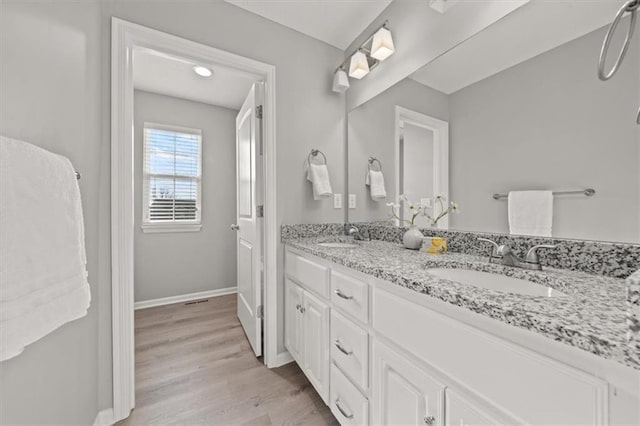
(156, 228)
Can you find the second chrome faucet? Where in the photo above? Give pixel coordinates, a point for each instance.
(506, 257)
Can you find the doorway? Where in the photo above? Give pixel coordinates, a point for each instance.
(422, 160)
(128, 40)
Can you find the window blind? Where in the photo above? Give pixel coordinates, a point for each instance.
(172, 175)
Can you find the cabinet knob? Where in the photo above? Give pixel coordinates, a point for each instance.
(298, 306)
(430, 420)
(302, 309)
(235, 227)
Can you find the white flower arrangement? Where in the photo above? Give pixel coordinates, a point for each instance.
(421, 209)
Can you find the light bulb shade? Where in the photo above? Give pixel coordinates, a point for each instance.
(382, 44)
(340, 81)
(359, 66)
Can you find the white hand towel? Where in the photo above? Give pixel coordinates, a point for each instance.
(531, 213)
(318, 175)
(375, 181)
(43, 277)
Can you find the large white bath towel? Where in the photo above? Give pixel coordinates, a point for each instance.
(531, 213)
(43, 276)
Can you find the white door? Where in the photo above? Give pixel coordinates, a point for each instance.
(315, 349)
(403, 394)
(293, 320)
(248, 225)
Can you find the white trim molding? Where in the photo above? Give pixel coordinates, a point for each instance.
(151, 303)
(284, 358)
(440, 131)
(126, 39)
(104, 418)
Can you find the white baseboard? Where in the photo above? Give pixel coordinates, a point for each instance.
(283, 359)
(104, 418)
(184, 298)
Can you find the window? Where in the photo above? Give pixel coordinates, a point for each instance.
(172, 169)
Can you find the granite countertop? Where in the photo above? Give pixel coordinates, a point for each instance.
(592, 315)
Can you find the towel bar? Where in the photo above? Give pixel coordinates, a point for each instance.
(588, 192)
(372, 160)
(314, 153)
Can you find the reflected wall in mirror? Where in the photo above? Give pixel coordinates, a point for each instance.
(544, 123)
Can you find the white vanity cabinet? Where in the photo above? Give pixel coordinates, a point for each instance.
(378, 353)
(461, 412)
(402, 392)
(307, 335)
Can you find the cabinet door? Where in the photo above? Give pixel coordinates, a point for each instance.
(315, 338)
(402, 392)
(461, 412)
(293, 320)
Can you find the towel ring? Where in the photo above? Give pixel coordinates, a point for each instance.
(314, 153)
(372, 160)
(630, 6)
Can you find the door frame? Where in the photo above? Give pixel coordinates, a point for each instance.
(126, 37)
(440, 131)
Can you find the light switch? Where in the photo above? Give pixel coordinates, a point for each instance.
(337, 201)
(352, 201)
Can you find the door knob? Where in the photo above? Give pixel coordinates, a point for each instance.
(235, 227)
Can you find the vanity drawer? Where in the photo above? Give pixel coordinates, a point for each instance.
(347, 403)
(531, 387)
(350, 349)
(350, 295)
(308, 273)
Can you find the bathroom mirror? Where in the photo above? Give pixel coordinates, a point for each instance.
(516, 107)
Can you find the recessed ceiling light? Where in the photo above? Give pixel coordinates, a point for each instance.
(202, 71)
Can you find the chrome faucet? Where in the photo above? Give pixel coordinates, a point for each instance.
(355, 232)
(507, 258)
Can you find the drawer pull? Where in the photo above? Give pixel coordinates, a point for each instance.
(344, 413)
(430, 420)
(342, 295)
(341, 349)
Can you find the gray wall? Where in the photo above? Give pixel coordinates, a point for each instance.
(50, 83)
(175, 263)
(550, 123)
(55, 84)
(371, 134)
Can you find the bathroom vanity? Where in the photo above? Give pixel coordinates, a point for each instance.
(385, 341)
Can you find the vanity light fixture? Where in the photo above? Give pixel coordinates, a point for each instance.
(359, 65)
(382, 44)
(340, 81)
(202, 71)
(378, 47)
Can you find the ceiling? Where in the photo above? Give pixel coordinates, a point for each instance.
(535, 28)
(336, 22)
(157, 73)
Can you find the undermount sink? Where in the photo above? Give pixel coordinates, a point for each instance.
(495, 282)
(338, 245)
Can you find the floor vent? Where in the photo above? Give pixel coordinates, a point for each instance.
(196, 302)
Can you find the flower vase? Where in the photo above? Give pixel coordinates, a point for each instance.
(412, 239)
